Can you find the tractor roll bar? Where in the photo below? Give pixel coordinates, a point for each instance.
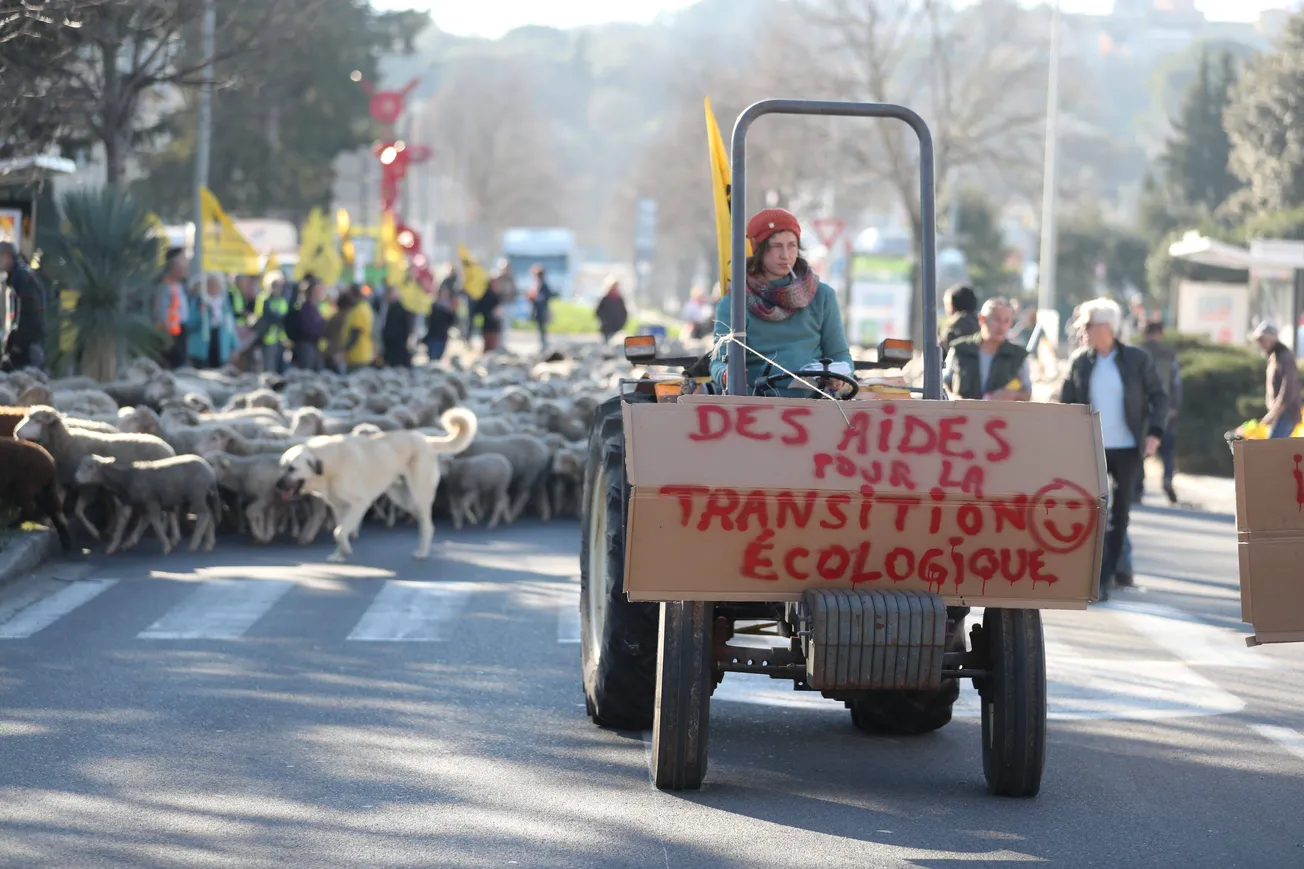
(737, 361)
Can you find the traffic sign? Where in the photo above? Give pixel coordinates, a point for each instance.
(829, 229)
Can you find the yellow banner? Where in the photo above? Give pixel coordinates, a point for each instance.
(318, 254)
(474, 280)
(721, 194)
(226, 250)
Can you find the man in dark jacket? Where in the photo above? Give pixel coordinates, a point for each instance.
(986, 365)
(962, 316)
(25, 346)
(395, 331)
(1170, 375)
(1282, 390)
(1121, 384)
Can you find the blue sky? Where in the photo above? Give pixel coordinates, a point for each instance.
(492, 18)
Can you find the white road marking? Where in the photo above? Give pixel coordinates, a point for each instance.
(568, 615)
(48, 610)
(1291, 740)
(1189, 638)
(412, 612)
(220, 609)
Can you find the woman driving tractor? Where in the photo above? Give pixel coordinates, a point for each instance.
(793, 318)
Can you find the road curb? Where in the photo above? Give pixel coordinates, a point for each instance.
(26, 554)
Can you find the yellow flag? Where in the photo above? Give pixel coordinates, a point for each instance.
(414, 298)
(721, 194)
(226, 250)
(474, 280)
(273, 264)
(318, 254)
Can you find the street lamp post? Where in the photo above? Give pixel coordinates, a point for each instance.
(204, 135)
(1047, 315)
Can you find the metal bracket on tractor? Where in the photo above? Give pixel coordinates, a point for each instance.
(868, 640)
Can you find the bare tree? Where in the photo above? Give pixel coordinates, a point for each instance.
(787, 158)
(493, 140)
(93, 67)
(977, 76)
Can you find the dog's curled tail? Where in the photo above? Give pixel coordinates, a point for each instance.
(463, 426)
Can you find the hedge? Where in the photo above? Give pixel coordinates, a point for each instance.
(1222, 387)
(574, 318)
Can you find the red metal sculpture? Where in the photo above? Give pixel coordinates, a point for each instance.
(395, 156)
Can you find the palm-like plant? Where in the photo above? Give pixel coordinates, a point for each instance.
(106, 254)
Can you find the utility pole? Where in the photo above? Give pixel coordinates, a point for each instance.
(205, 133)
(1047, 315)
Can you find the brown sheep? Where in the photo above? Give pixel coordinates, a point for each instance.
(9, 419)
(27, 481)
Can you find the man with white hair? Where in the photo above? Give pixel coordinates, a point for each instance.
(1282, 391)
(1121, 384)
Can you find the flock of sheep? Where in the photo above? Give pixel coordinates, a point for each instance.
(168, 448)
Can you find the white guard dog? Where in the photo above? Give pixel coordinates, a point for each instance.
(351, 471)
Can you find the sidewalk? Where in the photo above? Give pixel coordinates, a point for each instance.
(1200, 494)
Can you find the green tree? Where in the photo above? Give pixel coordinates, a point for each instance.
(281, 117)
(107, 255)
(979, 235)
(1263, 121)
(1195, 162)
(1086, 244)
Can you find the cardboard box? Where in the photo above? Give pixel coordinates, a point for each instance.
(1270, 535)
(987, 503)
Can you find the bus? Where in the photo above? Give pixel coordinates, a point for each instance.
(552, 247)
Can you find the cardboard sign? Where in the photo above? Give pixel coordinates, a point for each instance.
(1270, 531)
(986, 503)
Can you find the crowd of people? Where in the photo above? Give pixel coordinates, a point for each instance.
(271, 323)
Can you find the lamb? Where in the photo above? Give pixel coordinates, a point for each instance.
(10, 417)
(566, 482)
(474, 481)
(223, 439)
(531, 462)
(261, 397)
(69, 446)
(28, 479)
(89, 401)
(179, 482)
(252, 479)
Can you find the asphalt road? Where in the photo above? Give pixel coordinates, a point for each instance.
(261, 708)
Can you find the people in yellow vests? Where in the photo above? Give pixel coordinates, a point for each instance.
(326, 308)
(357, 343)
(270, 309)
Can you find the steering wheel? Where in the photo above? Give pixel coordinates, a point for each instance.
(768, 380)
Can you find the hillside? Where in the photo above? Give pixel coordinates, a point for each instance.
(595, 107)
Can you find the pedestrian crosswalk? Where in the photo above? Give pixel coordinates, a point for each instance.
(46, 611)
(220, 609)
(412, 611)
(1125, 660)
(223, 608)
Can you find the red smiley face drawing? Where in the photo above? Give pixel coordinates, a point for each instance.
(1062, 516)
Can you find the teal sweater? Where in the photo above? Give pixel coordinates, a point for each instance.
(813, 333)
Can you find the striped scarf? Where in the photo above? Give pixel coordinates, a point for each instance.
(778, 300)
